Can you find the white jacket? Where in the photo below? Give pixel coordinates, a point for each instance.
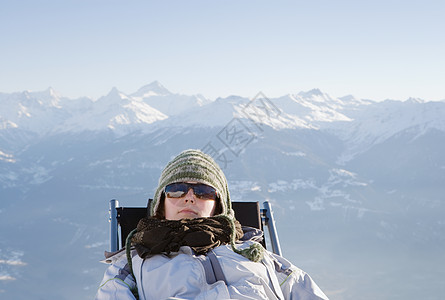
(222, 274)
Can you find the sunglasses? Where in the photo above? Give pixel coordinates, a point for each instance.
(180, 189)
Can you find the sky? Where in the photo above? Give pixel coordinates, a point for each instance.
(381, 49)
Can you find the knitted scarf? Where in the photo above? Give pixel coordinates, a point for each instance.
(155, 236)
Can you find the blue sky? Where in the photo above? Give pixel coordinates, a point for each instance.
(370, 49)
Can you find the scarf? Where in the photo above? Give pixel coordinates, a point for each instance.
(155, 236)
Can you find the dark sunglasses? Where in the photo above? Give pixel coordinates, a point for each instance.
(180, 189)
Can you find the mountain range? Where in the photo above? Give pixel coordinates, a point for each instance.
(356, 185)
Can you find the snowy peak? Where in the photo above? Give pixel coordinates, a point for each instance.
(112, 102)
(158, 97)
(376, 122)
(32, 99)
(312, 93)
(115, 95)
(312, 112)
(414, 100)
(45, 112)
(32, 111)
(49, 97)
(153, 89)
(315, 95)
(351, 100)
(115, 111)
(52, 93)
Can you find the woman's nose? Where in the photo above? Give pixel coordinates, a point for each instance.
(190, 196)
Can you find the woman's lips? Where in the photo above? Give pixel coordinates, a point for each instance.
(188, 212)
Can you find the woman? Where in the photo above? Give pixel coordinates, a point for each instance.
(194, 248)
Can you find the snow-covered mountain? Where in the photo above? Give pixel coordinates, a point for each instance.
(37, 112)
(354, 120)
(157, 96)
(357, 185)
(115, 111)
(46, 113)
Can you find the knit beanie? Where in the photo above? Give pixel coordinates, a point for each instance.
(195, 166)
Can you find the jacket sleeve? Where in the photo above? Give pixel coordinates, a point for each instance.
(118, 282)
(294, 282)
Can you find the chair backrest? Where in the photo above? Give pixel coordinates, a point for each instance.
(247, 213)
(128, 218)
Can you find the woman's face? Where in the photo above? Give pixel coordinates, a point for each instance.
(188, 207)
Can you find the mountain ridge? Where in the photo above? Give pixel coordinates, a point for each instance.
(351, 119)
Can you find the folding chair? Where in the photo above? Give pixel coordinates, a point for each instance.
(247, 213)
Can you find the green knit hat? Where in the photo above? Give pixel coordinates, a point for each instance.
(194, 165)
